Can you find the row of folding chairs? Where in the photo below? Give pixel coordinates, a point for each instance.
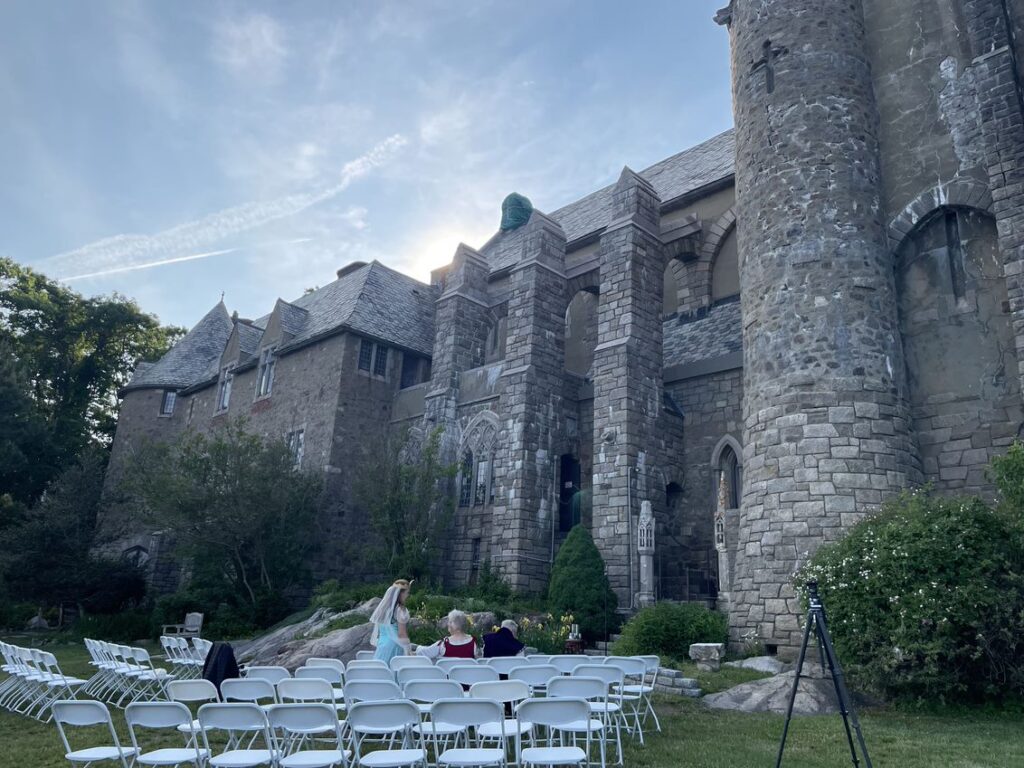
(34, 681)
(186, 658)
(383, 734)
(124, 674)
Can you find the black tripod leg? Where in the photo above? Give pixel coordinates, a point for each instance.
(846, 707)
(796, 685)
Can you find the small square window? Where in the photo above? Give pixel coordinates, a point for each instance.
(365, 354)
(167, 404)
(380, 361)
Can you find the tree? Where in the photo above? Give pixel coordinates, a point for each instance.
(235, 507)
(404, 488)
(580, 586)
(26, 450)
(48, 553)
(79, 352)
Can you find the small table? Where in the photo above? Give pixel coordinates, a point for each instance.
(574, 646)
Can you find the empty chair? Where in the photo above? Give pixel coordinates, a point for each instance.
(294, 728)
(539, 658)
(401, 662)
(249, 743)
(595, 691)
(332, 675)
(368, 673)
(555, 715)
(426, 692)
(200, 649)
(163, 715)
(86, 714)
(566, 665)
(309, 691)
(370, 662)
(465, 714)
(536, 676)
(323, 661)
(364, 655)
(192, 692)
(392, 721)
(419, 673)
(371, 690)
(614, 673)
(53, 683)
(447, 664)
(646, 688)
(468, 674)
(509, 692)
(255, 691)
(504, 664)
(272, 675)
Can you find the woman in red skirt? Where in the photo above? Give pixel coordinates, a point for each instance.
(458, 645)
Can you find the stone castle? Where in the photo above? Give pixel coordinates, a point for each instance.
(764, 336)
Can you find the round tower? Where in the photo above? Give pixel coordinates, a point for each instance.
(826, 428)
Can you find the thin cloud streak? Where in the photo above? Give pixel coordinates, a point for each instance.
(122, 252)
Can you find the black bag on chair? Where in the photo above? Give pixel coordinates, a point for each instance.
(220, 664)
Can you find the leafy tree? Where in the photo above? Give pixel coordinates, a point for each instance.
(404, 488)
(235, 507)
(79, 352)
(26, 449)
(580, 586)
(49, 551)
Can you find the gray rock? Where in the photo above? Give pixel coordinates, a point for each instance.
(769, 664)
(708, 656)
(267, 649)
(37, 622)
(816, 696)
(341, 644)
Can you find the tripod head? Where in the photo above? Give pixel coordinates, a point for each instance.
(813, 598)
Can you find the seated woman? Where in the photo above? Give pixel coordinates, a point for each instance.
(504, 642)
(458, 645)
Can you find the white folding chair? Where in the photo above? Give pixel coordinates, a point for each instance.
(567, 664)
(402, 662)
(628, 697)
(510, 692)
(604, 715)
(148, 682)
(85, 714)
(504, 664)
(192, 692)
(242, 689)
(331, 674)
(467, 674)
(535, 675)
(324, 661)
(466, 714)
(200, 649)
(370, 662)
(391, 722)
(447, 664)
(364, 655)
(368, 673)
(272, 675)
(309, 691)
(162, 715)
(307, 735)
(539, 658)
(646, 688)
(426, 692)
(371, 690)
(409, 674)
(54, 684)
(554, 716)
(249, 743)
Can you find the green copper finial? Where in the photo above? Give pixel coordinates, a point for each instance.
(515, 211)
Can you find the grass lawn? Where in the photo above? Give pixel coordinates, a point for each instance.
(695, 737)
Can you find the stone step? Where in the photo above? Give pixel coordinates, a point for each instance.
(674, 683)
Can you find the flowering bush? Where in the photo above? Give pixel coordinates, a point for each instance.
(547, 634)
(926, 599)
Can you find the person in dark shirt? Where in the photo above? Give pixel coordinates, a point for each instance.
(503, 642)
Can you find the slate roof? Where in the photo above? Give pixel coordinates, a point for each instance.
(717, 332)
(249, 336)
(192, 359)
(672, 177)
(293, 318)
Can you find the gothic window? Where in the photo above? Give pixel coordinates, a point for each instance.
(365, 354)
(466, 480)
(729, 467)
(673, 497)
(670, 300)
(570, 497)
(380, 361)
(581, 333)
(167, 403)
(224, 388)
(265, 373)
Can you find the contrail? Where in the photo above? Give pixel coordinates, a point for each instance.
(126, 252)
(178, 259)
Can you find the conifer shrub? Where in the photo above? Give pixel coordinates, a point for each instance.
(669, 629)
(926, 598)
(580, 587)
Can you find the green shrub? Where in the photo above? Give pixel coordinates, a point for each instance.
(15, 616)
(124, 627)
(926, 598)
(669, 629)
(580, 586)
(547, 634)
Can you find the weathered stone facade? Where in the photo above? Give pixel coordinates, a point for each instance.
(764, 336)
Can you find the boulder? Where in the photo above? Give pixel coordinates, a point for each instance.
(37, 622)
(708, 656)
(341, 644)
(266, 649)
(771, 665)
(816, 695)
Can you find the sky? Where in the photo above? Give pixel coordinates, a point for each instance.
(172, 152)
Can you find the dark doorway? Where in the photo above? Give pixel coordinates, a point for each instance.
(569, 497)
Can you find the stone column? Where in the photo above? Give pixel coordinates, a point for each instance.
(460, 337)
(531, 406)
(628, 379)
(645, 549)
(826, 427)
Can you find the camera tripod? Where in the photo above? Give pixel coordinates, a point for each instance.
(816, 623)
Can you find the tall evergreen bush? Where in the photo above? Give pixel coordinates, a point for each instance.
(580, 586)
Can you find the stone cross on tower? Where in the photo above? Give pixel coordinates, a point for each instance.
(767, 62)
(645, 548)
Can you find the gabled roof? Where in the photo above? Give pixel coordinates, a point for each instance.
(249, 336)
(673, 177)
(293, 318)
(705, 336)
(192, 359)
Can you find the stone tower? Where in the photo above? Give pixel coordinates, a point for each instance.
(826, 427)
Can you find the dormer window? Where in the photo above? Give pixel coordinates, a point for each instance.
(224, 387)
(265, 373)
(167, 403)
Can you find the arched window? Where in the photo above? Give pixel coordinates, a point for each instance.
(580, 333)
(725, 272)
(466, 480)
(729, 468)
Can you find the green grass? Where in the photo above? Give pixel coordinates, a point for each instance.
(696, 737)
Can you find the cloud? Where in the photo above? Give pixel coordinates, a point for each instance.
(121, 252)
(251, 48)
